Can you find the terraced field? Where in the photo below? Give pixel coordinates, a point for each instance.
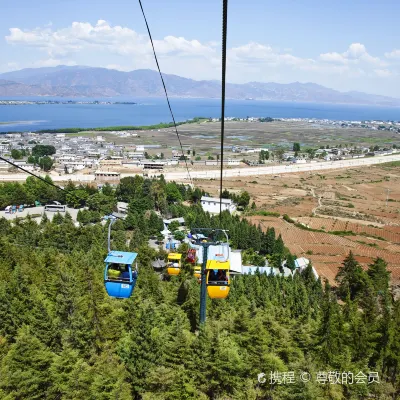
(358, 206)
(327, 251)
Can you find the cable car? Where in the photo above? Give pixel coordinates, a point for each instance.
(119, 277)
(174, 263)
(197, 272)
(217, 279)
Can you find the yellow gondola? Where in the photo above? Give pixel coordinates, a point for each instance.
(174, 263)
(218, 279)
(197, 272)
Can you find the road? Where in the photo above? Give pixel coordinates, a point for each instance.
(37, 213)
(234, 172)
(279, 169)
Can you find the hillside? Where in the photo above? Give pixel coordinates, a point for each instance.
(62, 337)
(81, 81)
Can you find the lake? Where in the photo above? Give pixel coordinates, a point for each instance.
(151, 111)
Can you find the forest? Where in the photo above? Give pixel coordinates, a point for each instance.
(62, 337)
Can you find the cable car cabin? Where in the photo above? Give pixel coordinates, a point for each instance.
(174, 263)
(197, 272)
(218, 279)
(119, 277)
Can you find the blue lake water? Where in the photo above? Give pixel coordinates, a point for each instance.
(153, 111)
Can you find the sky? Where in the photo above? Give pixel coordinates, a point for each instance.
(343, 44)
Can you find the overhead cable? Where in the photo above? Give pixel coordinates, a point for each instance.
(165, 90)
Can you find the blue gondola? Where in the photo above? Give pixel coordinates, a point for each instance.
(119, 277)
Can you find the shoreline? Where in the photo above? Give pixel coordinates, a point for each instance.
(374, 124)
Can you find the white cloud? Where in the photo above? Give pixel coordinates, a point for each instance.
(122, 48)
(333, 58)
(383, 73)
(256, 53)
(355, 54)
(118, 67)
(393, 54)
(82, 36)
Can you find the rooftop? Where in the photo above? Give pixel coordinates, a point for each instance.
(216, 199)
(120, 257)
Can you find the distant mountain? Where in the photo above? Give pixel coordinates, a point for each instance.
(81, 81)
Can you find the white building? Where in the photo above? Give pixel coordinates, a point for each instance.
(211, 204)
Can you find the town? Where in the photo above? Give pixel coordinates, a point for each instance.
(106, 155)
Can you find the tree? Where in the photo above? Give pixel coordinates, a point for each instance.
(41, 150)
(296, 147)
(24, 369)
(16, 154)
(330, 343)
(179, 235)
(379, 275)
(159, 196)
(102, 203)
(45, 163)
(31, 160)
(269, 243)
(244, 199)
(279, 153)
(173, 226)
(279, 246)
(351, 278)
(196, 195)
(140, 205)
(71, 376)
(40, 190)
(107, 190)
(290, 262)
(130, 187)
(77, 198)
(173, 193)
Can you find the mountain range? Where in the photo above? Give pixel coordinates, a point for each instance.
(81, 81)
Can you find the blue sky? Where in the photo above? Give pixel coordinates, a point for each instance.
(346, 45)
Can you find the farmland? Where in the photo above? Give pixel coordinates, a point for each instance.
(331, 214)
(204, 137)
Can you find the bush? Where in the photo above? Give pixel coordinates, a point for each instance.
(288, 219)
(264, 213)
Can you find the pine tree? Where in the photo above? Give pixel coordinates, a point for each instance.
(290, 262)
(24, 370)
(391, 361)
(58, 219)
(330, 341)
(379, 275)
(270, 241)
(351, 278)
(109, 378)
(279, 246)
(71, 376)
